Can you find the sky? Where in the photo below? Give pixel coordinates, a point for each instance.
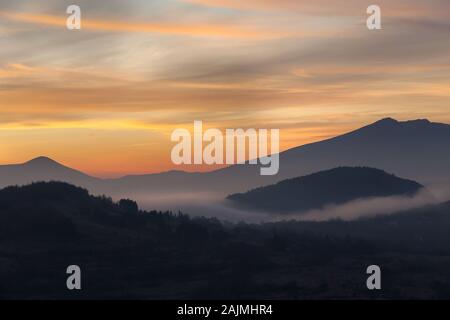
(105, 99)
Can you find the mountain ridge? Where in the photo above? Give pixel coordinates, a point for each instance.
(413, 149)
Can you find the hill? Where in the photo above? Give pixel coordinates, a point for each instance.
(127, 253)
(335, 186)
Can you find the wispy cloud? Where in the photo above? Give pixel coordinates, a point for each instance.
(173, 27)
(396, 8)
(309, 67)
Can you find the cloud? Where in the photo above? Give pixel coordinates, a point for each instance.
(174, 28)
(391, 8)
(162, 64)
(17, 70)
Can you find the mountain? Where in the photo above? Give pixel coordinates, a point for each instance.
(335, 186)
(42, 169)
(416, 150)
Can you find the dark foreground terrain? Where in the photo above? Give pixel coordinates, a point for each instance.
(127, 253)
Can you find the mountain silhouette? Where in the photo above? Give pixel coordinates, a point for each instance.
(42, 169)
(416, 150)
(335, 186)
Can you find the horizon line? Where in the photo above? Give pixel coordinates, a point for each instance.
(216, 167)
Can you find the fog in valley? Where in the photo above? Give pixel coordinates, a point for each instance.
(214, 205)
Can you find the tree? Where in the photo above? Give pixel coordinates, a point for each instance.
(129, 206)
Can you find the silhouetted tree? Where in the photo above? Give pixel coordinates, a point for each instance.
(129, 206)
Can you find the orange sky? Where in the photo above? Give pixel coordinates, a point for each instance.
(104, 99)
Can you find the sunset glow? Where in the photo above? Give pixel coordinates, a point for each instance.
(104, 99)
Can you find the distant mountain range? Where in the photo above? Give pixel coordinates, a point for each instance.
(415, 150)
(330, 187)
